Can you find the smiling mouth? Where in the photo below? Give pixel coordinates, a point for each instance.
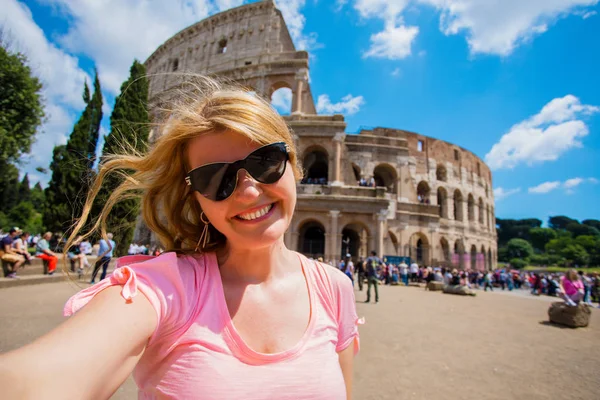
(255, 214)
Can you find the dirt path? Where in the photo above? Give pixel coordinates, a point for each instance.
(415, 345)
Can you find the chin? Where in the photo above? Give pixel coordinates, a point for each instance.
(268, 237)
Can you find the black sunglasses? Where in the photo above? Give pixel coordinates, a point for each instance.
(217, 181)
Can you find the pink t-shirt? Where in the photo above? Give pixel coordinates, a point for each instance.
(196, 352)
(571, 287)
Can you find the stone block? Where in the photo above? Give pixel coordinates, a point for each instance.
(571, 316)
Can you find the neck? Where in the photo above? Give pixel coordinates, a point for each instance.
(255, 266)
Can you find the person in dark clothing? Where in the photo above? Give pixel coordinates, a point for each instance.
(360, 270)
(373, 262)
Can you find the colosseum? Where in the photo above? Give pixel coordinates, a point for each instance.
(400, 193)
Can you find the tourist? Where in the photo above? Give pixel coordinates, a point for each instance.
(487, 281)
(587, 287)
(349, 269)
(105, 253)
(42, 250)
(404, 272)
(373, 263)
(77, 255)
(13, 259)
(20, 245)
(414, 272)
(360, 272)
(571, 288)
(219, 191)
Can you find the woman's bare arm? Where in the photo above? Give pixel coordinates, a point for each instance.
(346, 357)
(87, 357)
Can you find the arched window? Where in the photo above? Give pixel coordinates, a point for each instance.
(458, 205)
(441, 173)
(481, 211)
(316, 166)
(442, 200)
(423, 193)
(222, 46)
(471, 207)
(175, 65)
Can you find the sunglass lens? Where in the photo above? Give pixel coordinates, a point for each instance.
(267, 165)
(207, 180)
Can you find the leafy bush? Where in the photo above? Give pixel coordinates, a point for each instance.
(519, 248)
(518, 263)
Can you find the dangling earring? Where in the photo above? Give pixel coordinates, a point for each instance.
(205, 236)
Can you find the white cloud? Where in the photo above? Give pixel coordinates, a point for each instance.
(62, 84)
(498, 27)
(282, 100)
(593, 180)
(295, 21)
(491, 27)
(545, 187)
(574, 182)
(395, 40)
(501, 193)
(543, 137)
(589, 14)
(349, 105)
(396, 72)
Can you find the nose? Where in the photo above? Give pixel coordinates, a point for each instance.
(248, 189)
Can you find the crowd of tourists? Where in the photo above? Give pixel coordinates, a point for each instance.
(19, 248)
(573, 286)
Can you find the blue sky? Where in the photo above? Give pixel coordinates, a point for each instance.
(516, 82)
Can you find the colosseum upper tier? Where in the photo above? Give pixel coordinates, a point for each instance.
(399, 193)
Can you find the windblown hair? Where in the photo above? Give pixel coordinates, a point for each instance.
(168, 205)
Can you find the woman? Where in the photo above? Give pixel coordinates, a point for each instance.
(229, 312)
(571, 288)
(77, 255)
(20, 245)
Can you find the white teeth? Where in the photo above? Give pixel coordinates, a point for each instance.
(257, 214)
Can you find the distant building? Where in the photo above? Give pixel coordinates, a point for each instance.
(432, 200)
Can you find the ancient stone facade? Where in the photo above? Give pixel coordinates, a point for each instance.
(431, 200)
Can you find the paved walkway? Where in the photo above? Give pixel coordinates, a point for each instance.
(415, 345)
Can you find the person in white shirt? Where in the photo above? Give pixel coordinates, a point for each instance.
(414, 272)
(404, 273)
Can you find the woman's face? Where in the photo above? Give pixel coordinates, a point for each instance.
(233, 216)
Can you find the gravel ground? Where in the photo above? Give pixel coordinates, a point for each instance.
(415, 344)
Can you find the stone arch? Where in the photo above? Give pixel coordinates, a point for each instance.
(357, 172)
(442, 201)
(311, 238)
(471, 207)
(315, 162)
(458, 260)
(441, 173)
(458, 205)
(355, 240)
(281, 100)
(488, 220)
(423, 192)
(481, 211)
(473, 253)
(393, 249)
(445, 252)
(386, 175)
(489, 259)
(420, 248)
(482, 255)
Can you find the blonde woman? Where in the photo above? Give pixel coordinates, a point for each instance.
(571, 288)
(230, 312)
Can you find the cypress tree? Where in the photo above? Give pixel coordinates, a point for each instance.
(71, 166)
(24, 190)
(129, 125)
(37, 197)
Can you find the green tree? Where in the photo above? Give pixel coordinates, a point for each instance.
(578, 229)
(518, 263)
(560, 222)
(539, 237)
(592, 222)
(21, 214)
(37, 197)
(575, 254)
(515, 228)
(71, 166)
(129, 126)
(519, 248)
(556, 246)
(21, 108)
(9, 186)
(591, 244)
(24, 189)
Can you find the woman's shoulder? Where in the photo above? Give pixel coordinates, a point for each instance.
(326, 276)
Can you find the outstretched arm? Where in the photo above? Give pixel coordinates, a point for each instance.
(95, 351)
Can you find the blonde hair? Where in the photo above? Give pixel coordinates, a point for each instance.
(169, 207)
(572, 275)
